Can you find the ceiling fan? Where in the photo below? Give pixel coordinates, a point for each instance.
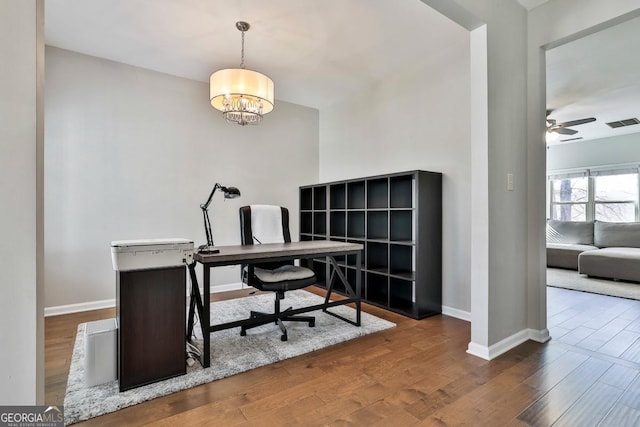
(563, 128)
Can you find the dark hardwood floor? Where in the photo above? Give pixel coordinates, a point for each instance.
(416, 374)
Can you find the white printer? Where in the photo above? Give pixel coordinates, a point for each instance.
(145, 254)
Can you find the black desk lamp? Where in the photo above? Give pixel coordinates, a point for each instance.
(229, 193)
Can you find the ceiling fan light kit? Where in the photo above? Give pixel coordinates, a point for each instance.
(555, 129)
(244, 96)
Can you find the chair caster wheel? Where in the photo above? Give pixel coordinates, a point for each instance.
(243, 333)
(312, 324)
(283, 337)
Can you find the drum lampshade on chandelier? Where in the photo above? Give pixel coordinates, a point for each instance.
(243, 96)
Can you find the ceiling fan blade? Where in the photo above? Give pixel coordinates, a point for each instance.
(565, 131)
(576, 122)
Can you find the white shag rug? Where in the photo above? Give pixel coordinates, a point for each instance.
(571, 279)
(230, 353)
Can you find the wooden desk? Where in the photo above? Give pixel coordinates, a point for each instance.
(255, 254)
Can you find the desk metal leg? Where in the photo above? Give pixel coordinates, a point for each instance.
(354, 296)
(206, 318)
(358, 286)
(192, 304)
(195, 302)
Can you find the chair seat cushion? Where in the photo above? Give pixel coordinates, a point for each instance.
(283, 273)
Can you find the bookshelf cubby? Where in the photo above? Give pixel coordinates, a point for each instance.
(377, 257)
(356, 224)
(378, 193)
(401, 261)
(319, 198)
(306, 199)
(398, 219)
(401, 225)
(338, 196)
(355, 195)
(377, 225)
(319, 223)
(338, 224)
(377, 289)
(401, 192)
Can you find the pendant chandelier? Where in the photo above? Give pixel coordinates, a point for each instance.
(242, 95)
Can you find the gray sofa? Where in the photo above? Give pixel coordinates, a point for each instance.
(595, 248)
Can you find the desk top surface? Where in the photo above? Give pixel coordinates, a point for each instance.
(248, 253)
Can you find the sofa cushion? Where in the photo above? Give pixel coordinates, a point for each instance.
(576, 232)
(565, 255)
(619, 234)
(614, 263)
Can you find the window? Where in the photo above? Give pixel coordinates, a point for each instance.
(569, 197)
(604, 195)
(616, 197)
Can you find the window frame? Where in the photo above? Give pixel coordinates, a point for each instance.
(591, 175)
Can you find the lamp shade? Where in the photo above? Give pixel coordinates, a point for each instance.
(231, 192)
(240, 82)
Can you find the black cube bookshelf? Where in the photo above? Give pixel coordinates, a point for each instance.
(398, 219)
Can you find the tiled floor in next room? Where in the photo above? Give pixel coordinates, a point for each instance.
(602, 324)
(602, 337)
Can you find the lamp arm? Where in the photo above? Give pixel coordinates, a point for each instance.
(229, 193)
(205, 215)
(208, 202)
(207, 226)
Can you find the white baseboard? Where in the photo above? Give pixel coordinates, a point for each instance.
(539, 336)
(109, 303)
(491, 352)
(458, 314)
(481, 351)
(225, 288)
(77, 308)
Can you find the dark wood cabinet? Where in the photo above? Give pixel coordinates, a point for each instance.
(398, 219)
(151, 314)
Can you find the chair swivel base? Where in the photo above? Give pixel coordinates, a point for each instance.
(256, 314)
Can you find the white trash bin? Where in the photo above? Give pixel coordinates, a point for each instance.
(100, 352)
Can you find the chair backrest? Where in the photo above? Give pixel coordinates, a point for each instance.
(264, 224)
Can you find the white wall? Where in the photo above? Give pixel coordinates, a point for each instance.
(505, 290)
(416, 119)
(131, 154)
(499, 256)
(21, 326)
(621, 149)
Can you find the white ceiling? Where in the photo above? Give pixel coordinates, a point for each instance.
(530, 4)
(316, 52)
(597, 76)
